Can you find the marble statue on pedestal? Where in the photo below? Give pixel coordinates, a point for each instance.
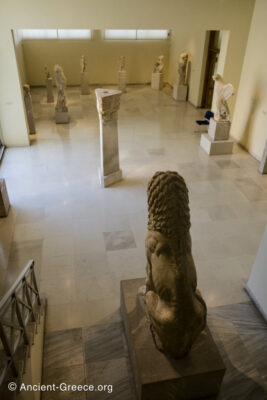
(217, 140)
(83, 75)
(222, 93)
(108, 104)
(174, 306)
(122, 74)
(180, 89)
(159, 64)
(29, 110)
(61, 106)
(157, 74)
(49, 85)
(182, 68)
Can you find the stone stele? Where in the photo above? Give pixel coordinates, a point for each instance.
(108, 104)
(122, 74)
(61, 109)
(172, 353)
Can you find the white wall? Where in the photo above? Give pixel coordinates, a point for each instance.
(189, 20)
(17, 37)
(250, 120)
(101, 55)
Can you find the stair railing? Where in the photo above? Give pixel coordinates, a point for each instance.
(17, 308)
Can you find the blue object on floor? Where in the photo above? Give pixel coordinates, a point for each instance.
(208, 115)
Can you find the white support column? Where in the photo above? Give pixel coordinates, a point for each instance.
(122, 80)
(217, 141)
(157, 80)
(108, 104)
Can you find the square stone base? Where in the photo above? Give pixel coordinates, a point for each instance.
(157, 81)
(62, 117)
(107, 180)
(219, 130)
(179, 92)
(216, 147)
(4, 200)
(157, 377)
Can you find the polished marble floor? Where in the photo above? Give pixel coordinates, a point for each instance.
(98, 355)
(85, 239)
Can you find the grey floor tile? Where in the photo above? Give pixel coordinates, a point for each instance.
(74, 375)
(119, 240)
(111, 372)
(63, 349)
(103, 342)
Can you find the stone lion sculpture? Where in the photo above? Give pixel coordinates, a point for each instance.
(174, 306)
(222, 93)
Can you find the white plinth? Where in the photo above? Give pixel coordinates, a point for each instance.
(110, 171)
(263, 164)
(108, 180)
(84, 84)
(179, 92)
(49, 90)
(216, 147)
(257, 283)
(62, 117)
(219, 130)
(122, 80)
(157, 80)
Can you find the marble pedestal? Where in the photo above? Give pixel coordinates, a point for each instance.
(263, 164)
(157, 377)
(62, 117)
(216, 147)
(179, 92)
(84, 84)
(108, 102)
(29, 112)
(157, 80)
(4, 200)
(49, 90)
(217, 140)
(122, 80)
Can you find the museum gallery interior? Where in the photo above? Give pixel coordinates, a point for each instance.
(133, 199)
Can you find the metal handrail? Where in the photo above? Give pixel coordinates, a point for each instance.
(21, 310)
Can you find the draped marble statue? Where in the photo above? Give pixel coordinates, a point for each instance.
(174, 306)
(222, 93)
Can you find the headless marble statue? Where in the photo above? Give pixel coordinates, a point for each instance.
(222, 93)
(182, 67)
(174, 306)
(159, 64)
(61, 82)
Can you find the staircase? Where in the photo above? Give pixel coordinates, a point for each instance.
(22, 318)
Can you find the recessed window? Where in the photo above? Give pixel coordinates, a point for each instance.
(39, 33)
(56, 33)
(74, 33)
(152, 33)
(120, 34)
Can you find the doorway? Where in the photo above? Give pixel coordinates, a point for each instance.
(213, 52)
